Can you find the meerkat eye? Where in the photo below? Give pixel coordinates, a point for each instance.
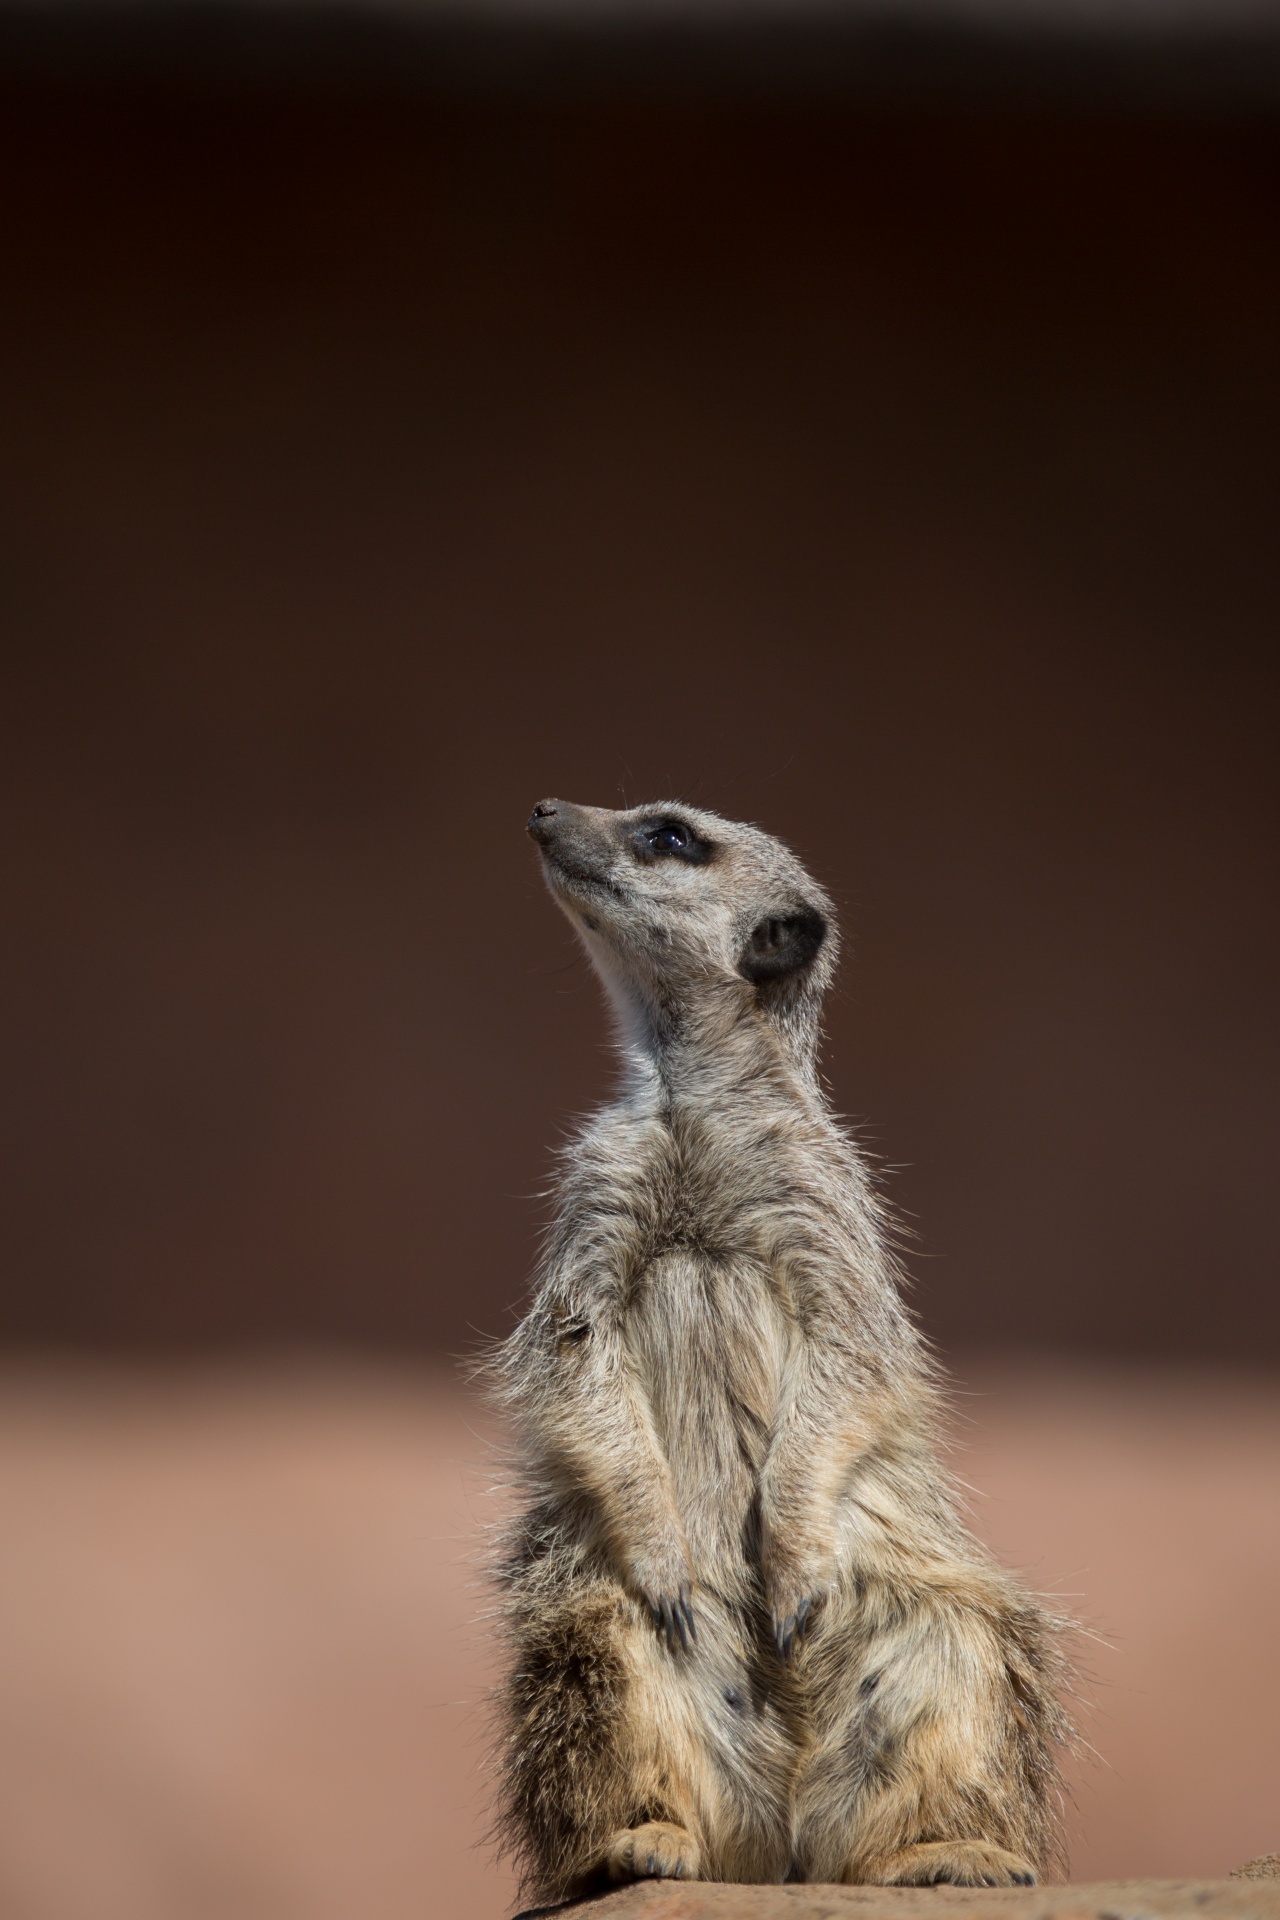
(670, 838)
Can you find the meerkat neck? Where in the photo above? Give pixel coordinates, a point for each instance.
(716, 1055)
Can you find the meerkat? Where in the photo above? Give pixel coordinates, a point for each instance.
(750, 1638)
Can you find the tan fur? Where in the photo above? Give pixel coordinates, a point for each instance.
(727, 1423)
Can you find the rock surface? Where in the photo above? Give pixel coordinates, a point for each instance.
(1234, 1899)
(1265, 1867)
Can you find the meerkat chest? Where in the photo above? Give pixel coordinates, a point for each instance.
(710, 1341)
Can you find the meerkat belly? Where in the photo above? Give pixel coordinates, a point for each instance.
(709, 1342)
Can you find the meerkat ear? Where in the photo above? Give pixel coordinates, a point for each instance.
(783, 944)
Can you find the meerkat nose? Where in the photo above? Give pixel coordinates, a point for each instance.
(543, 813)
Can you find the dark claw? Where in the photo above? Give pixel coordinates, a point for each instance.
(674, 1621)
(789, 1632)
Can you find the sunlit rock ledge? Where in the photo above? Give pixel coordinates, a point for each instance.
(1252, 1893)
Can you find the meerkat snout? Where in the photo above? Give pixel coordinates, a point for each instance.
(596, 836)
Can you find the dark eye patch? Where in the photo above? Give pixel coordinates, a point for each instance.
(666, 837)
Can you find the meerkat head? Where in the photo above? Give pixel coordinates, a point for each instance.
(689, 918)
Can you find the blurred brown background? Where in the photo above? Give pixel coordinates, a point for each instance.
(873, 434)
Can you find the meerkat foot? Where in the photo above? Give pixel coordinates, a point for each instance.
(958, 1863)
(656, 1851)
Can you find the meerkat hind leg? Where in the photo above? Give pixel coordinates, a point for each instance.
(929, 1767)
(659, 1850)
(960, 1863)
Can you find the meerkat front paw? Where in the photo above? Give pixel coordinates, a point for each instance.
(958, 1863)
(656, 1851)
(665, 1584)
(789, 1628)
(794, 1593)
(673, 1617)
